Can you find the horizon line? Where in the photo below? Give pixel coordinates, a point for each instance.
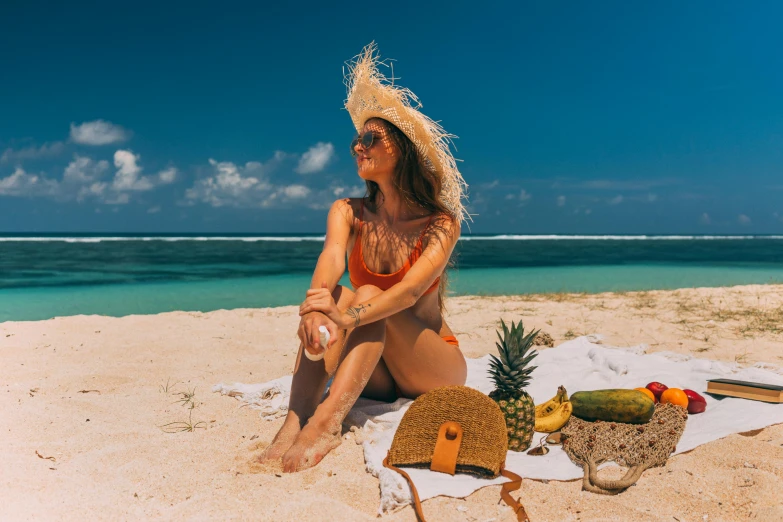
(91, 237)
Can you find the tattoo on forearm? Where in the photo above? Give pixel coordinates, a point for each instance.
(354, 312)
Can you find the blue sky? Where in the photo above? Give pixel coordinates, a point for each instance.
(599, 117)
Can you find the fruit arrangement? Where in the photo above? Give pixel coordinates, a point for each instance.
(554, 413)
(617, 405)
(511, 374)
(688, 399)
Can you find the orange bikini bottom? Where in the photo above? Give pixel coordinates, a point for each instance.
(449, 339)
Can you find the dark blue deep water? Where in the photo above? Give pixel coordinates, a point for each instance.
(49, 276)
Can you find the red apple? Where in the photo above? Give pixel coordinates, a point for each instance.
(696, 403)
(657, 388)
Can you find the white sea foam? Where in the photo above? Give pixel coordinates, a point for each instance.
(500, 237)
(153, 238)
(514, 237)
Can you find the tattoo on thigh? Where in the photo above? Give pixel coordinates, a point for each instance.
(354, 312)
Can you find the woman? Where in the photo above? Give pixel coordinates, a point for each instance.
(388, 336)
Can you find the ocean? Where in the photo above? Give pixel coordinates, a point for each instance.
(51, 275)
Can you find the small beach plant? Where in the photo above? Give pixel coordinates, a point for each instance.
(188, 425)
(186, 399)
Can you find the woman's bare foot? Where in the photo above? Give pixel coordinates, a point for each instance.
(311, 446)
(283, 440)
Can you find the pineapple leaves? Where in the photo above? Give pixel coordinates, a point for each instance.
(511, 370)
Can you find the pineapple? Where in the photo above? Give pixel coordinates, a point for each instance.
(511, 373)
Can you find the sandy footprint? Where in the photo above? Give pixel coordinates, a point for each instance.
(248, 460)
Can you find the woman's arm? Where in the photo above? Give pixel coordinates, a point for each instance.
(442, 239)
(331, 263)
(328, 271)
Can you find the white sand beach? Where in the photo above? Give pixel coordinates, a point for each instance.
(84, 400)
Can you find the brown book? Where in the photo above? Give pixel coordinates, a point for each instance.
(746, 390)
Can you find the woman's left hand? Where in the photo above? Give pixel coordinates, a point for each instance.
(321, 300)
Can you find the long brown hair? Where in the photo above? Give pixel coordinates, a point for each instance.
(418, 186)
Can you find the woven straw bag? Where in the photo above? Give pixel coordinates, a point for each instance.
(454, 429)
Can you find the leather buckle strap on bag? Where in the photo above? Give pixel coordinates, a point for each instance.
(444, 460)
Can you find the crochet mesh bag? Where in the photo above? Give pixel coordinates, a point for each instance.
(636, 446)
(454, 429)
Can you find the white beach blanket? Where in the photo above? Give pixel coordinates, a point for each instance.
(578, 365)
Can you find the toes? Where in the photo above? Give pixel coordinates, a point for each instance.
(289, 464)
(315, 459)
(266, 455)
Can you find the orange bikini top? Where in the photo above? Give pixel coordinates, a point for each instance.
(361, 275)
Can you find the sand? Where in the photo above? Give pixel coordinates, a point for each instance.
(84, 400)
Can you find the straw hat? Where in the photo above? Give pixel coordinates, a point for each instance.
(372, 95)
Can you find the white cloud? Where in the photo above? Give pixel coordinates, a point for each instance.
(122, 198)
(250, 186)
(94, 190)
(127, 179)
(230, 185)
(612, 184)
(32, 152)
(561, 201)
(126, 162)
(22, 184)
(167, 176)
(523, 196)
(296, 191)
(128, 173)
(98, 132)
(80, 181)
(742, 219)
(353, 192)
(652, 197)
(153, 210)
(490, 185)
(705, 219)
(316, 158)
(588, 211)
(357, 191)
(616, 200)
(84, 170)
(83, 179)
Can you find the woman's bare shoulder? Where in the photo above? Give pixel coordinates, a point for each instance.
(348, 208)
(444, 221)
(443, 228)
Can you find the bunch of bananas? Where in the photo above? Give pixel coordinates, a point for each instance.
(554, 413)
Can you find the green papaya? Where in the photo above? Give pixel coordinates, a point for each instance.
(629, 406)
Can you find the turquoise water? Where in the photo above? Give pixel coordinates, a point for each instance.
(50, 277)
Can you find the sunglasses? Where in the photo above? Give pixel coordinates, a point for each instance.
(553, 439)
(365, 139)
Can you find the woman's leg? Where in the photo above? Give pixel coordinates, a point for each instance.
(307, 387)
(418, 358)
(362, 352)
(381, 386)
(401, 350)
